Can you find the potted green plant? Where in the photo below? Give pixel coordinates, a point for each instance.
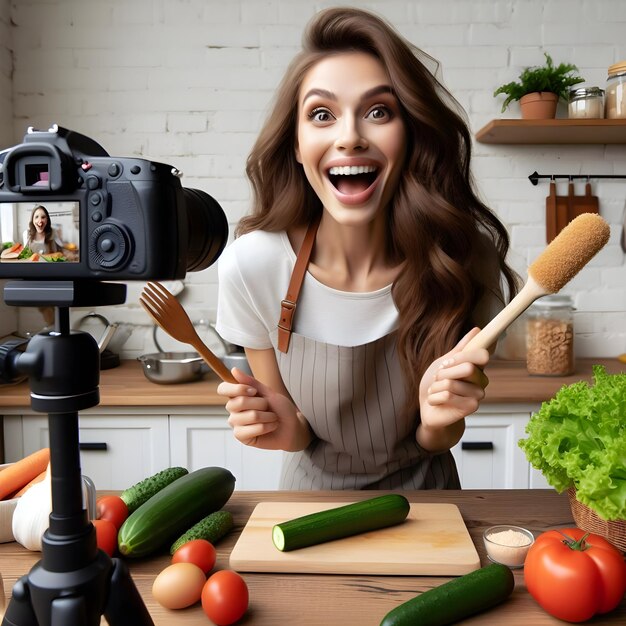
(540, 88)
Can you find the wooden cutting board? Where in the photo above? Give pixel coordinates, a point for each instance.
(433, 540)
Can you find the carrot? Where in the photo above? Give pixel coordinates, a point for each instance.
(13, 252)
(26, 487)
(23, 471)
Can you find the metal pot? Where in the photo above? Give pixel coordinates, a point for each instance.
(173, 367)
(237, 359)
(108, 359)
(234, 356)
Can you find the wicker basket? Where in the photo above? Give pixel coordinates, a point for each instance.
(614, 531)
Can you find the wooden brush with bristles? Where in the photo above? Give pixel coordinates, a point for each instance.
(564, 257)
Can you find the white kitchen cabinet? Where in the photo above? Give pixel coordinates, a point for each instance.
(537, 480)
(197, 441)
(116, 449)
(120, 447)
(135, 442)
(488, 455)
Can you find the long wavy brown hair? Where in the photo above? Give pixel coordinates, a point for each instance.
(436, 224)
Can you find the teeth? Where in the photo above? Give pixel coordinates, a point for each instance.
(351, 170)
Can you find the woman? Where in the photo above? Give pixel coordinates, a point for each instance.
(40, 237)
(364, 381)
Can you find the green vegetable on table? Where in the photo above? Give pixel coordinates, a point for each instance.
(456, 599)
(339, 522)
(142, 491)
(578, 438)
(211, 528)
(174, 509)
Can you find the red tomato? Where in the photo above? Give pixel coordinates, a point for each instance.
(106, 535)
(225, 597)
(112, 508)
(200, 552)
(574, 575)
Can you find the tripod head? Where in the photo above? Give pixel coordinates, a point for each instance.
(61, 386)
(74, 583)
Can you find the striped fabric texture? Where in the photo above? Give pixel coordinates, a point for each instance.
(353, 398)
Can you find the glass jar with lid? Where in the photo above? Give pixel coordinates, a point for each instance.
(586, 103)
(615, 101)
(550, 336)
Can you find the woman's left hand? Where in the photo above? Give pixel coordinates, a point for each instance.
(453, 386)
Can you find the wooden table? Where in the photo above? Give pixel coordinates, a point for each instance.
(354, 600)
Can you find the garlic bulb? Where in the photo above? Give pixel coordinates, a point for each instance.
(31, 517)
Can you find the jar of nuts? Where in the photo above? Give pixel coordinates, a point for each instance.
(550, 337)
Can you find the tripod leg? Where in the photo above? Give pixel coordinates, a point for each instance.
(68, 611)
(20, 611)
(51, 598)
(64, 611)
(124, 604)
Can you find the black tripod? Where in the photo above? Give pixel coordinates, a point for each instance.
(74, 583)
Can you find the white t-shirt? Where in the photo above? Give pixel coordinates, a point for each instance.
(254, 273)
(41, 247)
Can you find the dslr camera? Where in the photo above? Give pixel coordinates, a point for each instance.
(69, 211)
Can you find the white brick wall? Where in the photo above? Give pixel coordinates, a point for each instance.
(187, 82)
(6, 68)
(8, 315)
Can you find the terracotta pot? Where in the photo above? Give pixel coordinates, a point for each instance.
(540, 105)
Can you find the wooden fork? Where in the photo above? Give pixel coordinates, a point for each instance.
(169, 314)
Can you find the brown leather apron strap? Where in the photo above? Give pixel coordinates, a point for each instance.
(288, 305)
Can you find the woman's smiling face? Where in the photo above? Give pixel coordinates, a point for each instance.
(40, 220)
(351, 138)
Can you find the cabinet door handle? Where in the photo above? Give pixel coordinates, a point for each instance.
(476, 445)
(93, 446)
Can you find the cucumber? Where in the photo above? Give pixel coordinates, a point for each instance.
(343, 521)
(173, 509)
(455, 600)
(212, 528)
(142, 491)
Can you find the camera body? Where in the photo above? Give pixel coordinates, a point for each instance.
(70, 211)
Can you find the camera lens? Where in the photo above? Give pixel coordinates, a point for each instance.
(207, 228)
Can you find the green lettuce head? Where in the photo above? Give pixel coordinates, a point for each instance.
(578, 438)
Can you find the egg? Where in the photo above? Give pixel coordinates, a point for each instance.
(179, 585)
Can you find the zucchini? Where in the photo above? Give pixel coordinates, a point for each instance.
(455, 600)
(212, 528)
(173, 509)
(142, 491)
(343, 521)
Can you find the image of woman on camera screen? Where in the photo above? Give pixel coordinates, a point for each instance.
(43, 239)
(40, 237)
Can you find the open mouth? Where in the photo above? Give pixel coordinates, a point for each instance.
(352, 179)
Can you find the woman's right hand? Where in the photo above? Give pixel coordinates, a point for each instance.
(263, 418)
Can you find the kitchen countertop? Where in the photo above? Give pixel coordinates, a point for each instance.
(126, 385)
(353, 600)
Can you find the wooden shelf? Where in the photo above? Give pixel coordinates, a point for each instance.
(555, 131)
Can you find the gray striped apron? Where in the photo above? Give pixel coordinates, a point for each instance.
(353, 398)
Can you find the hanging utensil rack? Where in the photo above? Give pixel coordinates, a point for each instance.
(534, 177)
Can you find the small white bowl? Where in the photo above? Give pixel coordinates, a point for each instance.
(508, 544)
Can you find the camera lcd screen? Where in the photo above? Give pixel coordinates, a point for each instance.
(40, 232)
